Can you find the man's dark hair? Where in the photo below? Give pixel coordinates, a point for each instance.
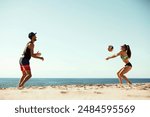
(31, 34)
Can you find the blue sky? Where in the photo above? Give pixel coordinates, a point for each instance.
(73, 36)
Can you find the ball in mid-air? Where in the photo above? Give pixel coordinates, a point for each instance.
(110, 48)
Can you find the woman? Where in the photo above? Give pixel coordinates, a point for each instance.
(24, 61)
(125, 55)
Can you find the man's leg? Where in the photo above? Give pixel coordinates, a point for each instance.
(22, 78)
(28, 76)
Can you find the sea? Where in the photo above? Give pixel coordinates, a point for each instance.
(13, 82)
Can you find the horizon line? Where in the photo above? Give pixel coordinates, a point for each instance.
(77, 77)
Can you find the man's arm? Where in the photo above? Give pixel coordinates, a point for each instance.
(34, 55)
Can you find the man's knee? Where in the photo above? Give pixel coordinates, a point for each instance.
(29, 75)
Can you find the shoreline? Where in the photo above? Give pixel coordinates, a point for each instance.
(138, 91)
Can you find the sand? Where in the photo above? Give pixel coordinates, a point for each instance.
(78, 92)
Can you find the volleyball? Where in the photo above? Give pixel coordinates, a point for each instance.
(110, 48)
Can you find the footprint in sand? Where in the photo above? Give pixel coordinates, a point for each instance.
(141, 88)
(148, 97)
(3, 88)
(97, 92)
(63, 92)
(41, 87)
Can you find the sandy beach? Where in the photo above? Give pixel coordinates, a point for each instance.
(78, 92)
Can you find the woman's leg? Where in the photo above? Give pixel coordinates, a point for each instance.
(127, 80)
(28, 76)
(124, 71)
(118, 74)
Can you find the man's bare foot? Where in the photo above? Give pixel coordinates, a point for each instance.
(20, 87)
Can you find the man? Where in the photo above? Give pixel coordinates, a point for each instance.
(25, 60)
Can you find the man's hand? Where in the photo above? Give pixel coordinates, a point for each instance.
(38, 54)
(42, 58)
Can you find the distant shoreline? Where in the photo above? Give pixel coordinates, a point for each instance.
(13, 82)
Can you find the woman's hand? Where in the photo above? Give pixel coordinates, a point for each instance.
(107, 58)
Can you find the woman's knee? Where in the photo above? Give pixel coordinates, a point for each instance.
(121, 74)
(118, 74)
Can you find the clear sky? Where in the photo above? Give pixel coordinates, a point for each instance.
(73, 36)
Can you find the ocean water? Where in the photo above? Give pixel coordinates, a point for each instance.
(13, 82)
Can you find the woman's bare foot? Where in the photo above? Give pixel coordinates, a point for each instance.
(120, 86)
(129, 84)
